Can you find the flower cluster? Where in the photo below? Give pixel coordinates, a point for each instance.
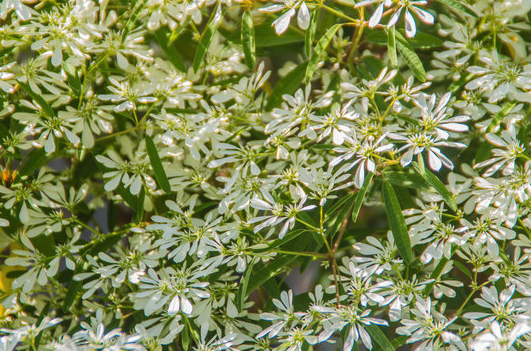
(166, 168)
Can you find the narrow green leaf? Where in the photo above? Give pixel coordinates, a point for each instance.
(264, 273)
(169, 50)
(287, 85)
(336, 220)
(391, 46)
(73, 79)
(441, 189)
(410, 56)
(35, 160)
(71, 292)
(139, 210)
(310, 34)
(45, 244)
(399, 341)
(290, 236)
(380, 338)
(206, 38)
(129, 199)
(154, 158)
(248, 40)
(361, 196)
(458, 5)
(319, 50)
(397, 223)
(332, 211)
(185, 338)
(407, 180)
(484, 151)
(177, 31)
(500, 116)
(463, 269)
(103, 245)
(435, 275)
(40, 100)
(136, 9)
(458, 84)
(266, 36)
(422, 41)
(44, 313)
(242, 286)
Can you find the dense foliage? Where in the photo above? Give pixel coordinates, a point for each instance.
(167, 163)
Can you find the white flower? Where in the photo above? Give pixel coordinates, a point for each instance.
(365, 153)
(281, 24)
(435, 118)
(500, 78)
(417, 143)
(506, 157)
(429, 327)
(396, 9)
(497, 339)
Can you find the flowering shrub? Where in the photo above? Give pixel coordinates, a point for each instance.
(167, 164)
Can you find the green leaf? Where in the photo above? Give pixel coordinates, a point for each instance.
(40, 100)
(291, 235)
(399, 341)
(310, 34)
(463, 269)
(73, 79)
(185, 338)
(483, 152)
(458, 84)
(336, 220)
(266, 36)
(267, 272)
(169, 50)
(286, 85)
(435, 275)
(133, 17)
(441, 189)
(319, 50)
(248, 40)
(73, 288)
(361, 196)
(422, 41)
(410, 56)
(242, 286)
(500, 116)
(397, 223)
(206, 38)
(458, 5)
(408, 180)
(380, 338)
(139, 210)
(391, 46)
(154, 158)
(332, 211)
(35, 160)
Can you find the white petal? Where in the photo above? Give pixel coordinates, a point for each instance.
(376, 16)
(303, 17)
(435, 162)
(281, 24)
(394, 18)
(423, 15)
(411, 27)
(57, 56)
(174, 306)
(186, 305)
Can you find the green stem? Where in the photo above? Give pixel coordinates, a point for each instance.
(297, 253)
